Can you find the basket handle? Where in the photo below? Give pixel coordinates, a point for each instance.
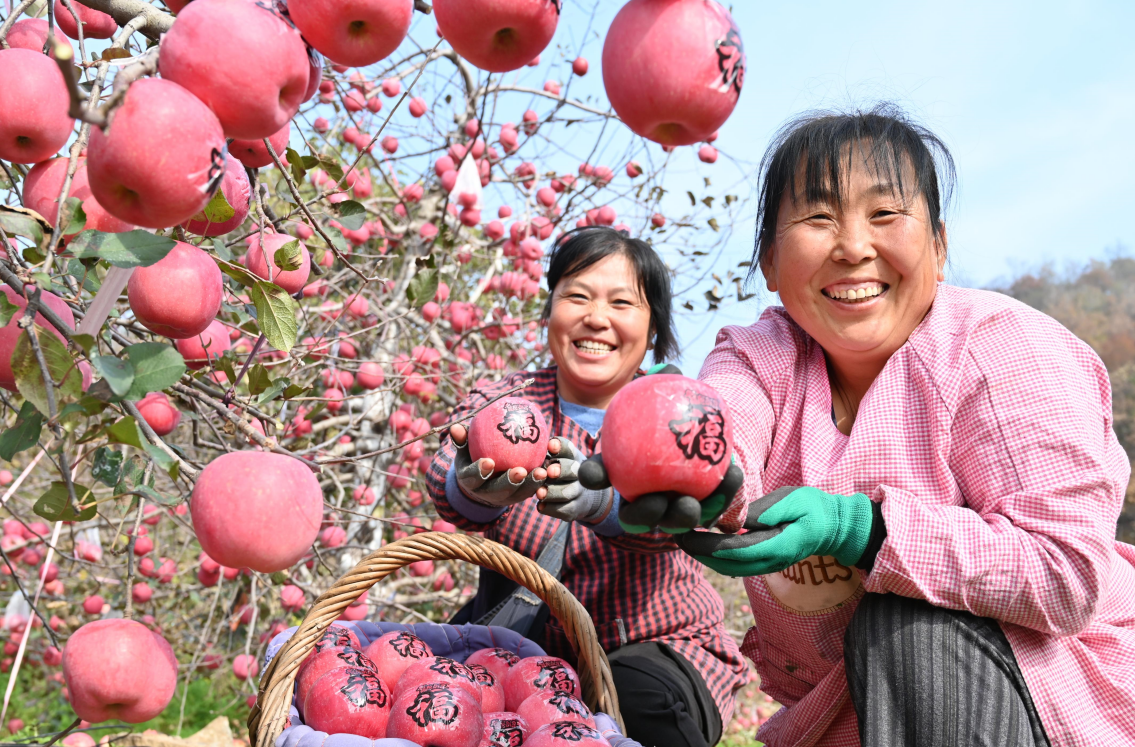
(266, 722)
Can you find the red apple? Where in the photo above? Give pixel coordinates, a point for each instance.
(31, 33)
(371, 375)
(349, 700)
(393, 652)
(10, 333)
(242, 59)
(257, 510)
(356, 33)
(44, 183)
(497, 660)
(159, 412)
(546, 706)
(673, 69)
(337, 635)
(512, 432)
(503, 729)
(237, 192)
(536, 673)
(492, 689)
(118, 669)
(498, 35)
(179, 295)
(96, 24)
(292, 281)
(439, 669)
(253, 153)
(436, 714)
(319, 663)
(162, 123)
(201, 348)
(33, 106)
(566, 734)
(667, 433)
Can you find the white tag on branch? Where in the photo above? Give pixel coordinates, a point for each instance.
(468, 180)
(18, 611)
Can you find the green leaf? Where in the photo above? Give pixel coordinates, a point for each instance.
(295, 390)
(86, 342)
(327, 163)
(217, 211)
(296, 162)
(117, 373)
(352, 214)
(74, 217)
(126, 431)
(153, 496)
(23, 435)
(258, 379)
(61, 367)
(274, 390)
(422, 287)
(55, 504)
(156, 367)
(276, 312)
(337, 239)
(24, 222)
(107, 466)
(237, 273)
(135, 248)
(7, 310)
(225, 364)
(289, 256)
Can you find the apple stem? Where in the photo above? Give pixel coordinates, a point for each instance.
(243, 369)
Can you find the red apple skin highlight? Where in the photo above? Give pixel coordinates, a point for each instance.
(667, 432)
(337, 635)
(118, 669)
(512, 432)
(393, 652)
(492, 689)
(156, 409)
(292, 281)
(96, 24)
(673, 69)
(497, 35)
(503, 729)
(439, 669)
(497, 660)
(31, 33)
(565, 734)
(547, 706)
(319, 663)
(536, 673)
(244, 61)
(180, 295)
(238, 194)
(41, 193)
(254, 155)
(436, 714)
(257, 510)
(33, 106)
(355, 33)
(201, 348)
(349, 700)
(10, 333)
(161, 159)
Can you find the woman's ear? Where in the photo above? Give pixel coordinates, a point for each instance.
(941, 244)
(768, 268)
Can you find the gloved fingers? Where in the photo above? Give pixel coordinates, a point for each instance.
(470, 476)
(500, 490)
(683, 512)
(459, 434)
(561, 511)
(563, 469)
(777, 507)
(725, 545)
(644, 511)
(561, 448)
(779, 551)
(664, 368)
(592, 473)
(562, 492)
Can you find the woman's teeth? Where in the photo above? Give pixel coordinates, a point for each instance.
(855, 294)
(590, 346)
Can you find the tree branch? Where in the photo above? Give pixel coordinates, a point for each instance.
(123, 11)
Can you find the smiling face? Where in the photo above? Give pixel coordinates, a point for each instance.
(859, 276)
(598, 331)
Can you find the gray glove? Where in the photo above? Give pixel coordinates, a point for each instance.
(496, 490)
(567, 499)
(610, 731)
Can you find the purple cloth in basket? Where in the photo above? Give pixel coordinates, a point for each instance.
(455, 641)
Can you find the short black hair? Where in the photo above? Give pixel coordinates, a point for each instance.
(818, 141)
(580, 248)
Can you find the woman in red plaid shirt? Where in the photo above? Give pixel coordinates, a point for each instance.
(675, 667)
(931, 482)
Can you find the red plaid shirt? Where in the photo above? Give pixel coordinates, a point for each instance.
(659, 593)
(988, 440)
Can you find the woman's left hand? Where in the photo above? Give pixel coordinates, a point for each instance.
(786, 526)
(562, 496)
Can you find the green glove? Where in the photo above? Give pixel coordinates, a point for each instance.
(788, 525)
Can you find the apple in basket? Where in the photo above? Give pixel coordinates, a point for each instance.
(549, 706)
(536, 673)
(439, 669)
(337, 635)
(394, 651)
(504, 729)
(437, 714)
(320, 663)
(512, 432)
(566, 734)
(492, 689)
(349, 700)
(496, 660)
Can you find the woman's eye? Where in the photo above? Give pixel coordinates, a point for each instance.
(819, 216)
(884, 213)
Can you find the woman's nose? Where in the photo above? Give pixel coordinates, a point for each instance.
(597, 317)
(854, 242)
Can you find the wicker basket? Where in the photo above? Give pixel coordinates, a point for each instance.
(270, 713)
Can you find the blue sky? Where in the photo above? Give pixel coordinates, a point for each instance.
(1036, 101)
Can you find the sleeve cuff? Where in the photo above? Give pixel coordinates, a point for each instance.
(468, 508)
(875, 541)
(609, 525)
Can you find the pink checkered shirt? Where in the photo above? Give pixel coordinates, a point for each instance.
(988, 439)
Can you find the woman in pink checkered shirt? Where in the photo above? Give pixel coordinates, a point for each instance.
(931, 479)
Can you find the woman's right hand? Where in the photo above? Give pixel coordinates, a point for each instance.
(479, 483)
